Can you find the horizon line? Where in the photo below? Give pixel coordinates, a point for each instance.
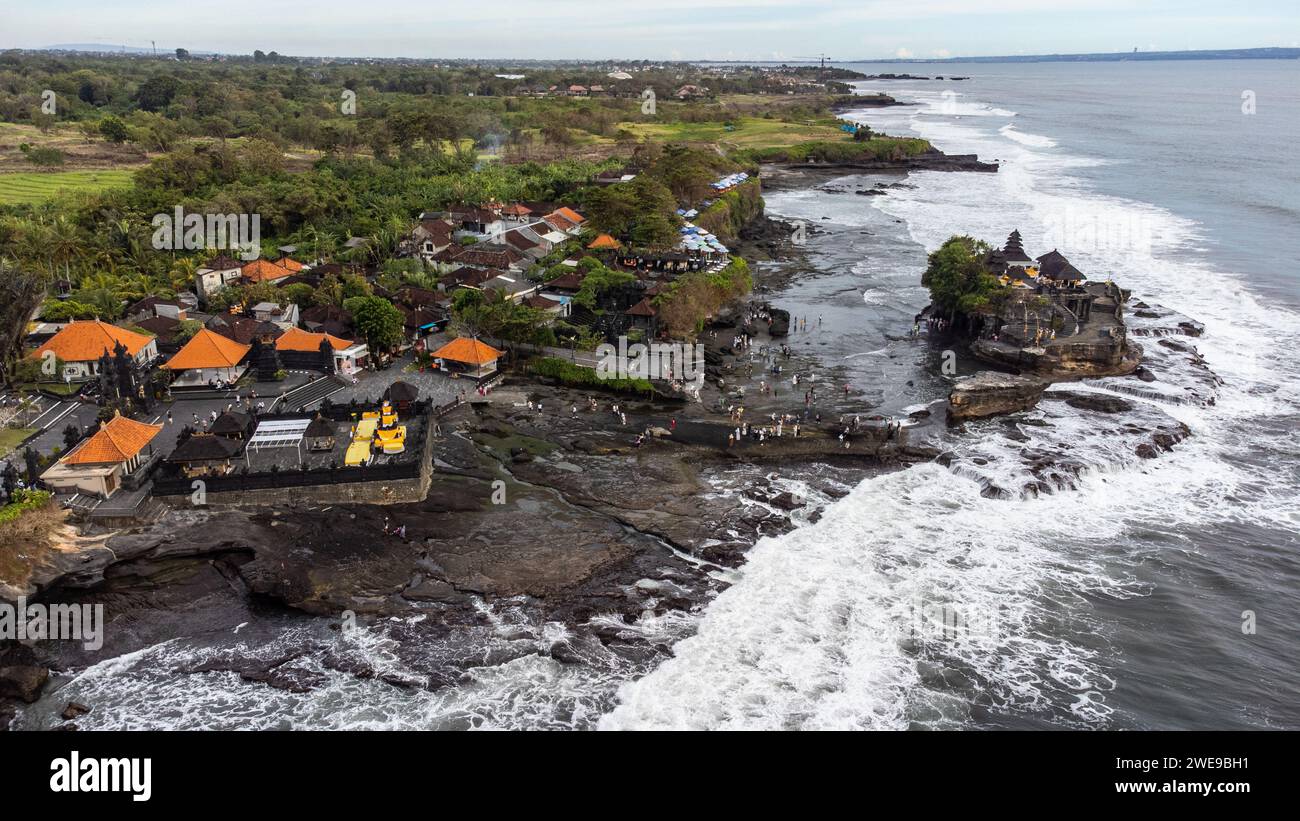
(1258, 52)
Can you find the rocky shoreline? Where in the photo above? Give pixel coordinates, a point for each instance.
(594, 532)
(932, 160)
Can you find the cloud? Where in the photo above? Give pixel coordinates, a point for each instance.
(903, 54)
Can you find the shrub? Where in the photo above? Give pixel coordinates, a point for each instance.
(578, 376)
(45, 157)
(22, 501)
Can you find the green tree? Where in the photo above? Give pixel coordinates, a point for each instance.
(114, 130)
(958, 279)
(377, 320)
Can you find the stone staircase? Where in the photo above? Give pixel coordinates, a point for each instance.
(310, 393)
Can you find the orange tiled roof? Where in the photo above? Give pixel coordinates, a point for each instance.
(117, 440)
(570, 215)
(290, 264)
(261, 270)
(604, 242)
(296, 339)
(559, 223)
(208, 350)
(88, 339)
(469, 351)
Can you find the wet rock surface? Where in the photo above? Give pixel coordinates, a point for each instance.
(991, 393)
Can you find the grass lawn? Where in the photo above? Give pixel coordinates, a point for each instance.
(34, 187)
(10, 437)
(750, 132)
(60, 388)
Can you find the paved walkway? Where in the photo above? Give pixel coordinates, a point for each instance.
(433, 385)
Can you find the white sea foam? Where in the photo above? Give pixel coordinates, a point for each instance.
(1032, 140)
(832, 625)
(818, 631)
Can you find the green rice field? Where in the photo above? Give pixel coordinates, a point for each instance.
(30, 187)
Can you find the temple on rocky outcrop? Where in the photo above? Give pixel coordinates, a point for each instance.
(1013, 252)
(1011, 265)
(1053, 266)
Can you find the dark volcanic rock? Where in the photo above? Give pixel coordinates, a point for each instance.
(23, 681)
(1099, 402)
(21, 676)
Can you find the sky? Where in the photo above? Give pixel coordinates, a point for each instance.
(844, 30)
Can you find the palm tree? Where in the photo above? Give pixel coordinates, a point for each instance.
(34, 243)
(65, 243)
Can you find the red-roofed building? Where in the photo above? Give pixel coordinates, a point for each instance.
(81, 344)
(98, 464)
(261, 270)
(431, 236)
(207, 358)
(302, 349)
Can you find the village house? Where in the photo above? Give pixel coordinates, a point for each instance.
(604, 242)
(418, 324)
(613, 176)
(283, 316)
(207, 360)
(488, 255)
(569, 214)
(477, 222)
(81, 344)
(526, 242)
(517, 212)
(215, 274)
(553, 307)
(431, 236)
(165, 331)
(415, 297)
(466, 277)
(243, 329)
(562, 290)
(101, 463)
(261, 270)
(302, 350)
(512, 286)
(310, 277)
(329, 319)
(290, 264)
(155, 306)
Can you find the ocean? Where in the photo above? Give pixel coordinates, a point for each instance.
(1133, 594)
(1155, 594)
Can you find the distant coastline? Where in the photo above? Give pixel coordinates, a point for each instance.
(1272, 53)
(1105, 57)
